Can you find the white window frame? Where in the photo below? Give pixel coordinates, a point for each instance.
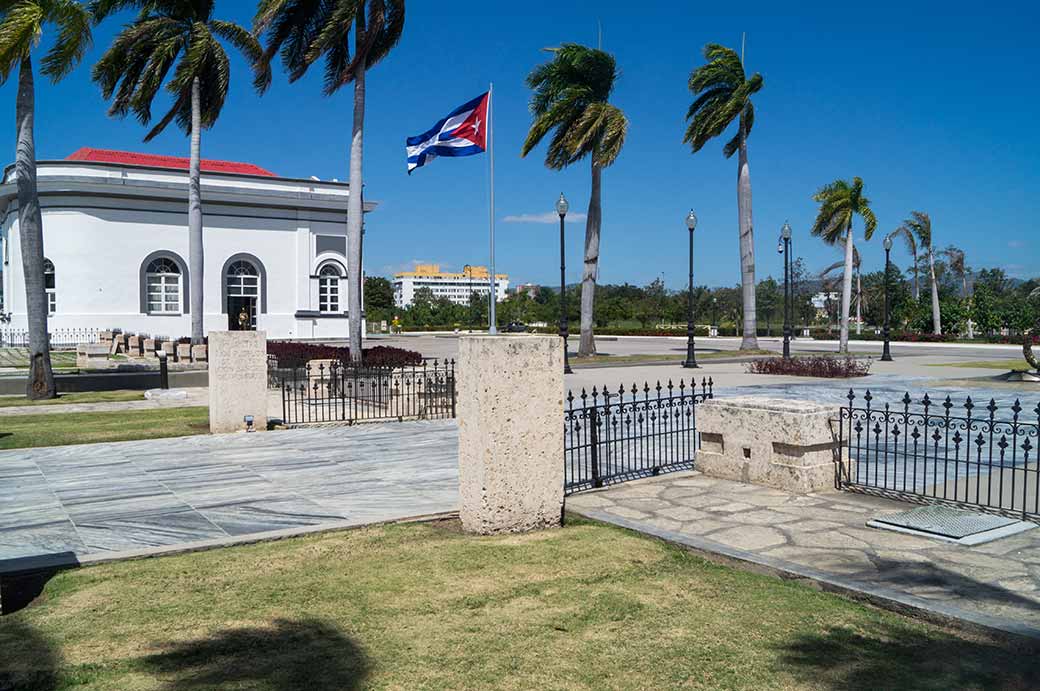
(330, 277)
(169, 301)
(51, 290)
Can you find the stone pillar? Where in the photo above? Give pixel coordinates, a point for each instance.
(510, 413)
(789, 445)
(237, 380)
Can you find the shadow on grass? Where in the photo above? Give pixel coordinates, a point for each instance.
(27, 659)
(896, 657)
(289, 655)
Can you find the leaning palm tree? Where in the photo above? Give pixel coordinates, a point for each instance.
(21, 24)
(570, 100)
(303, 31)
(840, 202)
(911, 244)
(724, 93)
(184, 33)
(920, 225)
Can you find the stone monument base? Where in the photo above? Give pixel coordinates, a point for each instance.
(789, 445)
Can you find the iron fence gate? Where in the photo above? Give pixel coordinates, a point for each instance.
(613, 437)
(332, 392)
(59, 339)
(946, 452)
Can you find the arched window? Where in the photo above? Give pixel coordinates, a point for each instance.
(48, 284)
(243, 279)
(328, 287)
(164, 286)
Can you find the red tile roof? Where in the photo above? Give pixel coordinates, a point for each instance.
(156, 160)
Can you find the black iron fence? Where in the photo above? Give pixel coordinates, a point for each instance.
(334, 392)
(60, 339)
(960, 453)
(616, 436)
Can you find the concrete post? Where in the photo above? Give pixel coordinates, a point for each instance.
(510, 414)
(237, 380)
(786, 444)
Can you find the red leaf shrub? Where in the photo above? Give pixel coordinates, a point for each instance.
(293, 354)
(812, 366)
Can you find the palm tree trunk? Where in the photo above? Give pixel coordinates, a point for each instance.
(355, 210)
(917, 289)
(40, 383)
(747, 247)
(846, 293)
(196, 262)
(936, 317)
(859, 303)
(587, 346)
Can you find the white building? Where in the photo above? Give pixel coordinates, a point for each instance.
(457, 287)
(115, 236)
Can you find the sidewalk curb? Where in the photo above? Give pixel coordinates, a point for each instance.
(882, 597)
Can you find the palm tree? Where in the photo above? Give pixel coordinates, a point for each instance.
(182, 33)
(723, 95)
(303, 31)
(955, 261)
(825, 276)
(840, 202)
(920, 226)
(570, 99)
(21, 26)
(911, 244)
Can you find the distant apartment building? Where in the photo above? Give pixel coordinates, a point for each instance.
(457, 287)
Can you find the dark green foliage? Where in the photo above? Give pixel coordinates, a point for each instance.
(172, 35)
(723, 94)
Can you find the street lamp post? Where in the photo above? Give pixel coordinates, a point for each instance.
(784, 247)
(691, 355)
(715, 312)
(886, 353)
(561, 209)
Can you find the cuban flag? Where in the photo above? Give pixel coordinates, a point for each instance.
(462, 133)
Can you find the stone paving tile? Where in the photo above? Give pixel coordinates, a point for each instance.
(112, 497)
(827, 533)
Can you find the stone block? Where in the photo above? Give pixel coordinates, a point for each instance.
(789, 445)
(149, 347)
(118, 344)
(133, 346)
(198, 353)
(92, 356)
(237, 380)
(183, 352)
(510, 413)
(171, 349)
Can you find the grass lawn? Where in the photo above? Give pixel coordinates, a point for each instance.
(424, 606)
(83, 397)
(19, 357)
(50, 429)
(988, 364)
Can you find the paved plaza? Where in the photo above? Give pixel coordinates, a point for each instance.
(110, 499)
(824, 537)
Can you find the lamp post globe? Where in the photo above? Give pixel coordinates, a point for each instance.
(691, 351)
(561, 209)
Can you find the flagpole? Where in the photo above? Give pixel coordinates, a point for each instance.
(491, 213)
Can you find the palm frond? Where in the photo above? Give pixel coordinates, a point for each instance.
(20, 29)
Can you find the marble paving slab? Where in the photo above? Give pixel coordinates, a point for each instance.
(97, 499)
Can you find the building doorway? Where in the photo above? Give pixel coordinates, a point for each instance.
(243, 290)
(235, 307)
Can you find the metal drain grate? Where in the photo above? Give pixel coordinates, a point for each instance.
(943, 521)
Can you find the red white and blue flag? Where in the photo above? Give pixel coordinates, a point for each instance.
(462, 133)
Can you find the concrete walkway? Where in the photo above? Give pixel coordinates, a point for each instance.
(194, 396)
(75, 504)
(824, 537)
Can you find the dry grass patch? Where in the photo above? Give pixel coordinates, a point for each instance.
(424, 606)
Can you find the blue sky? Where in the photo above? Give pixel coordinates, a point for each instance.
(932, 104)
